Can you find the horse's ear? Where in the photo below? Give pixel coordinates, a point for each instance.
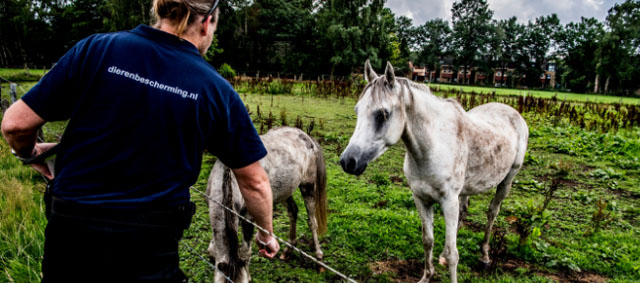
(369, 73)
(389, 74)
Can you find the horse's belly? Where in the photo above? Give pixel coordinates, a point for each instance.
(487, 174)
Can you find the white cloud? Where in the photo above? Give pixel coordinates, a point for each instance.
(421, 11)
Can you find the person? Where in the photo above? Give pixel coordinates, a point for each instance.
(142, 106)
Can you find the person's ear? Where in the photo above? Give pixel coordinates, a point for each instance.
(206, 26)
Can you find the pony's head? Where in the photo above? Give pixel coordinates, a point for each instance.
(381, 120)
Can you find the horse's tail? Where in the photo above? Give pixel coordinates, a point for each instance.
(321, 192)
(232, 268)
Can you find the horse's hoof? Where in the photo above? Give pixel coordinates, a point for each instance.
(284, 256)
(485, 265)
(442, 261)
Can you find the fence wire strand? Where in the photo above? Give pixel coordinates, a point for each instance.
(277, 238)
(209, 263)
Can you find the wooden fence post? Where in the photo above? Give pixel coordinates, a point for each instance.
(4, 103)
(14, 92)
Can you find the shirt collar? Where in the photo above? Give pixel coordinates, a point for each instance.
(164, 37)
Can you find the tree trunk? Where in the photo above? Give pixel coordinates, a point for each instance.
(596, 84)
(502, 82)
(606, 85)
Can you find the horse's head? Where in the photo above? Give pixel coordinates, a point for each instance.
(381, 120)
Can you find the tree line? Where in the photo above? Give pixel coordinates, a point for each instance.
(335, 37)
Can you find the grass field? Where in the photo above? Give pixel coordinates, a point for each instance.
(579, 97)
(20, 75)
(589, 231)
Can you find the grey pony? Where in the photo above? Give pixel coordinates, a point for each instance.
(294, 160)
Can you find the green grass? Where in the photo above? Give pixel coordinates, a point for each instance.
(21, 75)
(22, 220)
(373, 227)
(569, 96)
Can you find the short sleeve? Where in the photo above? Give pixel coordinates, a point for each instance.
(53, 97)
(236, 141)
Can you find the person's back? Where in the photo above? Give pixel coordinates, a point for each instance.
(142, 107)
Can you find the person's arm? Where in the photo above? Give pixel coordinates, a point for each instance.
(256, 190)
(20, 126)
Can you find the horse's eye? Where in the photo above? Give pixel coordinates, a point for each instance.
(381, 116)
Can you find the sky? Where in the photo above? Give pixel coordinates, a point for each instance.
(421, 11)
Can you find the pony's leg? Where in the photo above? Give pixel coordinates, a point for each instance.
(245, 251)
(292, 210)
(451, 210)
(310, 204)
(464, 207)
(425, 210)
(501, 192)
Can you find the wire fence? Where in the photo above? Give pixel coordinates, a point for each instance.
(194, 252)
(312, 258)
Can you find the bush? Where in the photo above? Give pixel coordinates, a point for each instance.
(226, 71)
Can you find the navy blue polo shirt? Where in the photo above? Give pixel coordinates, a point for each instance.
(142, 106)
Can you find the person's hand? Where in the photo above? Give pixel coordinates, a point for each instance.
(268, 245)
(42, 168)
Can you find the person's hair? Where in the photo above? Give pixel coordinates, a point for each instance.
(181, 13)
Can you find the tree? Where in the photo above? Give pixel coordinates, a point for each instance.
(433, 40)
(471, 26)
(405, 34)
(534, 47)
(619, 53)
(577, 45)
(349, 32)
(127, 14)
(508, 33)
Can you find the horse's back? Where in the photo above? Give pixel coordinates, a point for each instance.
(497, 139)
(290, 160)
(501, 118)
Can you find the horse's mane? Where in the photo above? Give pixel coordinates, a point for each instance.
(382, 84)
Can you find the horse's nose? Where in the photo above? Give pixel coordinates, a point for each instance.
(348, 164)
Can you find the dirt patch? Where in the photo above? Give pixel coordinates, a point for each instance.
(475, 227)
(399, 270)
(625, 193)
(411, 271)
(396, 179)
(583, 277)
(567, 183)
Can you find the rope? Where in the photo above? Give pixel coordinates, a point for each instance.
(277, 238)
(209, 263)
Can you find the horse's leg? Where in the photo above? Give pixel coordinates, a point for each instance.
(464, 207)
(245, 250)
(425, 210)
(310, 203)
(501, 192)
(451, 210)
(292, 210)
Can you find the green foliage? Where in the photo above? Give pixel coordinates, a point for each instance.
(226, 71)
(433, 43)
(214, 50)
(21, 75)
(471, 20)
(336, 37)
(380, 180)
(22, 220)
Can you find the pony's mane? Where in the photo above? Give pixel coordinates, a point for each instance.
(382, 84)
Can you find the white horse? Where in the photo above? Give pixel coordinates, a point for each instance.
(294, 160)
(451, 154)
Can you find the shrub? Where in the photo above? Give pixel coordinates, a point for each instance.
(226, 71)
